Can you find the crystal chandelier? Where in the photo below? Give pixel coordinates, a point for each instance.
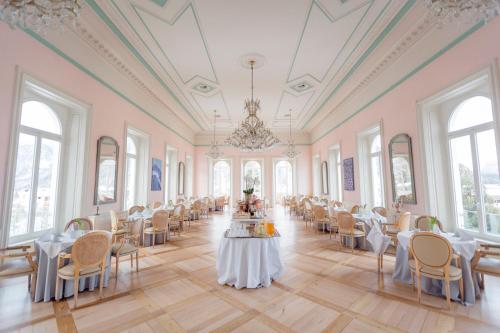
(463, 10)
(214, 151)
(252, 135)
(290, 151)
(38, 15)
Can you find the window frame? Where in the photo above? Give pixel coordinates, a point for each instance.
(212, 165)
(335, 166)
(261, 162)
(293, 163)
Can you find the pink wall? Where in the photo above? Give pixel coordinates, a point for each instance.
(303, 169)
(110, 113)
(397, 110)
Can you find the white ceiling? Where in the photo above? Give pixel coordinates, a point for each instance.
(195, 48)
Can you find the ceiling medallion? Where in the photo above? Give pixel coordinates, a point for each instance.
(214, 151)
(463, 10)
(291, 153)
(38, 15)
(252, 135)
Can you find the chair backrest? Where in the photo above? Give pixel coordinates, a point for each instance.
(404, 221)
(382, 211)
(79, 224)
(431, 249)
(115, 221)
(319, 212)
(423, 223)
(160, 219)
(355, 209)
(196, 205)
(307, 204)
(178, 211)
(134, 209)
(220, 201)
(346, 222)
(336, 203)
(91, 250)
(157, 204)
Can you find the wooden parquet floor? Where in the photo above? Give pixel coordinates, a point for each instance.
(325, 288)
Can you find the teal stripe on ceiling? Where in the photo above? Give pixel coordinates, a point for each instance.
(402, 12)
(98, 79)
(134, 51)
(406, 77)
(160, 3)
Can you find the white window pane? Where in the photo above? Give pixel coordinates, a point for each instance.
(38, 115)
(47, 185)
(376, 181)
(375, 146)
(284, 175)
(222, 179)
(463, 183)
(490, 181)
(253, 174)
(473, 111)
(131, 181)
(23, 183)
(131, 146)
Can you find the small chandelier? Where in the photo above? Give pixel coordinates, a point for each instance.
(463, 10)
(214, 151)
(290, 151)
(38, 15)
(252, 135)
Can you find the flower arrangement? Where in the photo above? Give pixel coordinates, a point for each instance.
(433, 222)
(250, 185)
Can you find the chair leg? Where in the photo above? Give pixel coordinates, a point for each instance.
(101, 279)
(448, 298)
(137, 261)
(419, 288)
(154, 239)
(131, 260)
(57, 287)
(482, 281)
(352, 244)
(33, 285)
(117, 263)
(75, 290)
(461, 288)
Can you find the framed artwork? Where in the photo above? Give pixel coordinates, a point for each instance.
(349, 174)
(156, 175)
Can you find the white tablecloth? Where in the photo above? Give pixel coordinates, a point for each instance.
(249, 262)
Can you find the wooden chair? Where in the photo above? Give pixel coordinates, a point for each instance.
(432, 255)
(157, 204)
(79, 224)
(127, 245)
(220, 203)
(355, 209)
(293, 206)
(346, 225)
(18, 261)
(382, 211)
(159, 225)
(88, 258)
(486, 261)
(135, 209)
(195, 211)
(205, 207)
(423, 223)
(336, 203)
(176, 220)
(308, 211)
(118, 226)
(403, 224)
(321, 216)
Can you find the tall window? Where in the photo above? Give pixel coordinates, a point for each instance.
(171, 174)
(34, 197)
(474, 163)
(221, 179)
(335, 174)
(283, 180)
(252, 172)
(131, 172)
(376, 178)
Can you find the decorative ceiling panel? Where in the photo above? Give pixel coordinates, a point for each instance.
(194, 47)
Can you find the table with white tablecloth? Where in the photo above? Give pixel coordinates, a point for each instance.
(465, 248)
(47, 249)
(249, 262)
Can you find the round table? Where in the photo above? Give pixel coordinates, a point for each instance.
(249, 262)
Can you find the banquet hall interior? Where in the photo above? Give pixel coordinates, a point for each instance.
(249, 166)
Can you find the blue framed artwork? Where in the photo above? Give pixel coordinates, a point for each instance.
(156, 175)
(349, 174)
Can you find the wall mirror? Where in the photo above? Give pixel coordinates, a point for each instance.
(106, 172)
(402, 174)
(324, 177)
(180, 179)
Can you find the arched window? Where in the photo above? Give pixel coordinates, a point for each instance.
(283, 180)
(376, 171)
(474, 164)
(222, 179)
(131, 172)
(34, 197)
(252, 172)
